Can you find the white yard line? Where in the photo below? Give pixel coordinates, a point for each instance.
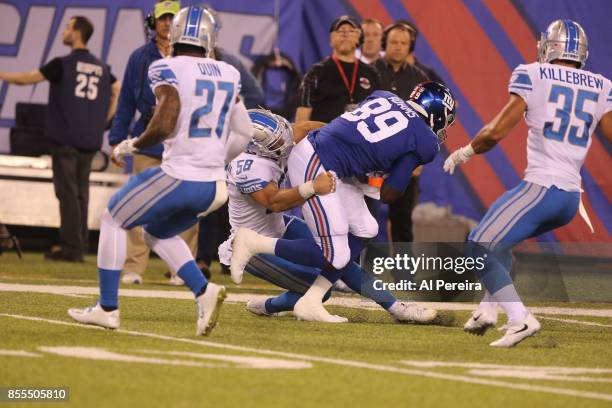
(556, 319)
(347, 363)
(353, 302)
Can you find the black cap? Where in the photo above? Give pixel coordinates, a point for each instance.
(343, 20)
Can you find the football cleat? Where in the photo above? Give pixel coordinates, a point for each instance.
(480, 322)
(176, 280)
(97, 316)
(315, 312)
(258, 307)
(517, 331)
(208, 305)
(404, 312)
(242, 251)
(131, 278)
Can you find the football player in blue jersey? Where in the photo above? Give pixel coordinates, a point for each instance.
(256, 201)
(384, 134)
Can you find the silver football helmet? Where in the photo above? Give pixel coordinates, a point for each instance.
(563, 40)
(194, 25)
(273, 136)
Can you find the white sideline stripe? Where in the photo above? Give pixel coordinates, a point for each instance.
(346, 363)
(556, 319)
(18, 353)
(352, 302)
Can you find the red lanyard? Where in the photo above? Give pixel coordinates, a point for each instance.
(350, 88)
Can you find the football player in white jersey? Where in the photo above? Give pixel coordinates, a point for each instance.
(203, 125)
(562, 105)
(256, 201)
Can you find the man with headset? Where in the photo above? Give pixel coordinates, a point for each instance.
(400, 77)
(136, 96)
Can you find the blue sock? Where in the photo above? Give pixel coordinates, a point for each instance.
(283, 302)
(109, 287)
(300, 251)
(193, 277)
(356, 245)
(361, 282)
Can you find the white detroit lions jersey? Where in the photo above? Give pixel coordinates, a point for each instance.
(207, 90)
(247, 174)
(564, 106)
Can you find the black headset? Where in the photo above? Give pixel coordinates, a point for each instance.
(150, 18)
(406, 25)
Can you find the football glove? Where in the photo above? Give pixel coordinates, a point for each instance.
(457, 157)
(125, 148)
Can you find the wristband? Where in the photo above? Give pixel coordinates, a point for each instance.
(468, 151)
(306, 190)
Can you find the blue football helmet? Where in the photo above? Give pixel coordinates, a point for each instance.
(273, 136)
(563, 40)
(435, 103)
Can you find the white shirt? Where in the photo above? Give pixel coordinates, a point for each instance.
(208, 91)
(564, 106)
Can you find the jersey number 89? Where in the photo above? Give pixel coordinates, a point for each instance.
(388, 122)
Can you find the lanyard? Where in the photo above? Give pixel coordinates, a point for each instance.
(350, 88)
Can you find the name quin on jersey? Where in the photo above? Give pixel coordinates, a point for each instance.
(571, 77)
(209, 69)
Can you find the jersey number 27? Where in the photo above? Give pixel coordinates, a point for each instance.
(388, 122)
(210, 87)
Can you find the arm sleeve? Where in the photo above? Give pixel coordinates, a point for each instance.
(126, 106)
(401, 172)
(160, 73)
(521, 83)
(240, 132)
(308, 89)
(52, 70)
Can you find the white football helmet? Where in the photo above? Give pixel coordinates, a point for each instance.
(194, 25)
(563, 40)
(273, 135)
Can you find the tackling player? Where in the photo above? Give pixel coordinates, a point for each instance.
(197, 107)
(256, 201)
(384, 134)
(562, 104)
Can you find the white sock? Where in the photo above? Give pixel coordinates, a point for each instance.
(488, 304)
(317, 290)
(264, 245)
(174, 251)
(510, 301)
(112, 244)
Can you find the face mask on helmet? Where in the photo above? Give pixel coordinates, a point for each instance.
(436, 104)
(563, 40)
(273, 135)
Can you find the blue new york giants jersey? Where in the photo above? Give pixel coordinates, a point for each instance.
(373, 137)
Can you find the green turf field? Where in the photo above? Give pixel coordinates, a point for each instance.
(155, 360)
